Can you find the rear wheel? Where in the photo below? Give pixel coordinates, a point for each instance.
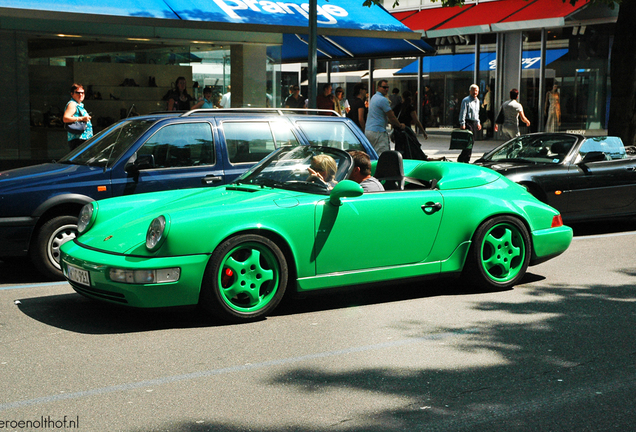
(245, 279)
(499, 254)
(45, 251)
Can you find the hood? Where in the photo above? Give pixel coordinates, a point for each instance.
(194, 217)
(44, 175)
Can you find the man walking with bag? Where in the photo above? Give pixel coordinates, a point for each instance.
(512, 110)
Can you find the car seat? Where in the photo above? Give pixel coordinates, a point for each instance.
(561, 148)
(390, 170)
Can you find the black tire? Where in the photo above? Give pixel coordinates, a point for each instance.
(245, 279)
(499, 254)
(45, 250)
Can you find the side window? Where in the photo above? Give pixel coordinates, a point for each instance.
(248, 141)
(330, 134)
(283, 134)
(181, 145)
(612, 147)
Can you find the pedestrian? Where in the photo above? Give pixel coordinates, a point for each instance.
(75, 112)
(226, 99)
(512, 110)
(407, 113)
(358, 110)
(380, 115)
(179, 99)
(326, 100)
(295, 99)
(394, 98)
(469, 119)
(488, 113)
(207, 101)
(341, 102)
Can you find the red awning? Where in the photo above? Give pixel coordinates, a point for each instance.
(430, 18)
(489, 16)
(540, 14)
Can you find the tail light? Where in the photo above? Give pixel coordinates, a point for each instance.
(557, 221)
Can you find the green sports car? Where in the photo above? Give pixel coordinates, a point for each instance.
(281, 227)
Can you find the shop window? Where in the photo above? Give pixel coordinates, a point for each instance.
(181, 145)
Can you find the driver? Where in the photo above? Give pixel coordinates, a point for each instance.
(323, 169)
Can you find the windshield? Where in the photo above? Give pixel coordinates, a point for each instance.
(543, 148)
(105, 148)
(311, 169)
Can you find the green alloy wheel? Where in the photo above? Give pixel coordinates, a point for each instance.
(245, 279)
(500, 253)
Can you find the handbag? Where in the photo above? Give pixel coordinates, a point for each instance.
(500, 117)
(77, 127)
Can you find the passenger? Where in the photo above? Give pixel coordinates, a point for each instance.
(362, 172)
(207, 101)
(323, 169)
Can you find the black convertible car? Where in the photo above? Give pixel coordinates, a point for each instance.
(585, 178)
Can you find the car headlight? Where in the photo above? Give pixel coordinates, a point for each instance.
(87, 217)
(157, 232)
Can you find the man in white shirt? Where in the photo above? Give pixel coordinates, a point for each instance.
(226, 100)
(469, 118)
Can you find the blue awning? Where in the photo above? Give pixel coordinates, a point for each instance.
(295, 48)
(335, 17)
(346, 28)
(487, 61)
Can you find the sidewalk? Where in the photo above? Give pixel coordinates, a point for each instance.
(438, 143)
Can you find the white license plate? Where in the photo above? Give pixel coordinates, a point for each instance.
(78, 275)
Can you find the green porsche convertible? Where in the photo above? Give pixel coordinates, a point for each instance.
(238, 249)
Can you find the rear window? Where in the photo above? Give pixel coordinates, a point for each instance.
(252, 141)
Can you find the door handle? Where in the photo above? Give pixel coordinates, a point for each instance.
(210, 179)
(431, 207)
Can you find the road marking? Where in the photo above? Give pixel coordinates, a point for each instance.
(230, 369)
(596, 236)
(33, 285)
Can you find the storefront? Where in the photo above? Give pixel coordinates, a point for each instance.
(128, 55)
(536, 46)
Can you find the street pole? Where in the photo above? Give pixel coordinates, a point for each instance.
(313, 53)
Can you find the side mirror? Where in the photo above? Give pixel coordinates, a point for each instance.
(142, 162)
(594, 156)
(344, 189)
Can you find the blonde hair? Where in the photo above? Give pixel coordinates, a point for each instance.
(326, 164)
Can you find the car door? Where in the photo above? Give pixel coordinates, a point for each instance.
(605, 187)
(176, 156)
(381, 229)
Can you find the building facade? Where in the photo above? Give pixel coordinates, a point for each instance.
(556, 54)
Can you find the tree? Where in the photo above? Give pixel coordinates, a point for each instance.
(622, 115)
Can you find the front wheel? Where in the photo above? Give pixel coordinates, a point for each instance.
(45, 251)
(245, 279)
(499, 254)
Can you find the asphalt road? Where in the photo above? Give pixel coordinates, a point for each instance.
(556, 353)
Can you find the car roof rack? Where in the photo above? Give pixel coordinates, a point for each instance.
(279, 111)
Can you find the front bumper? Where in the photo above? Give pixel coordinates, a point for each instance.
(549, 243)
(183, 292)
(15, 235)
